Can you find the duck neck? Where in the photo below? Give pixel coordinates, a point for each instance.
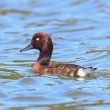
(45, 56)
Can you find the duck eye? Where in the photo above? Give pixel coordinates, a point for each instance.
(37, 39)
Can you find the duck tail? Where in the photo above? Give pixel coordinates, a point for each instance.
(89, 70)
(82, 72)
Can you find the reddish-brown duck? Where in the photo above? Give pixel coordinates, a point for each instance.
(43, 42)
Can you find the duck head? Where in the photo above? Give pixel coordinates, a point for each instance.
(41, 41)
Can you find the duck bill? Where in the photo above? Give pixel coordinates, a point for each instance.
(29, 47)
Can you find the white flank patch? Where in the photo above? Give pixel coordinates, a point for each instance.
(71, 74)
(81, 72)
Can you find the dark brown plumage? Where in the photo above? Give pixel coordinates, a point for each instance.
(42, 41)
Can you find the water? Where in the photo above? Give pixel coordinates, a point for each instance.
(80, 31)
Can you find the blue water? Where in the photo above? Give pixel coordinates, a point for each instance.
(80, 30)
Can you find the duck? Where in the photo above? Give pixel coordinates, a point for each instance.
(42, 41)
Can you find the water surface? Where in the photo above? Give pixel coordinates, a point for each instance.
(80, 31)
